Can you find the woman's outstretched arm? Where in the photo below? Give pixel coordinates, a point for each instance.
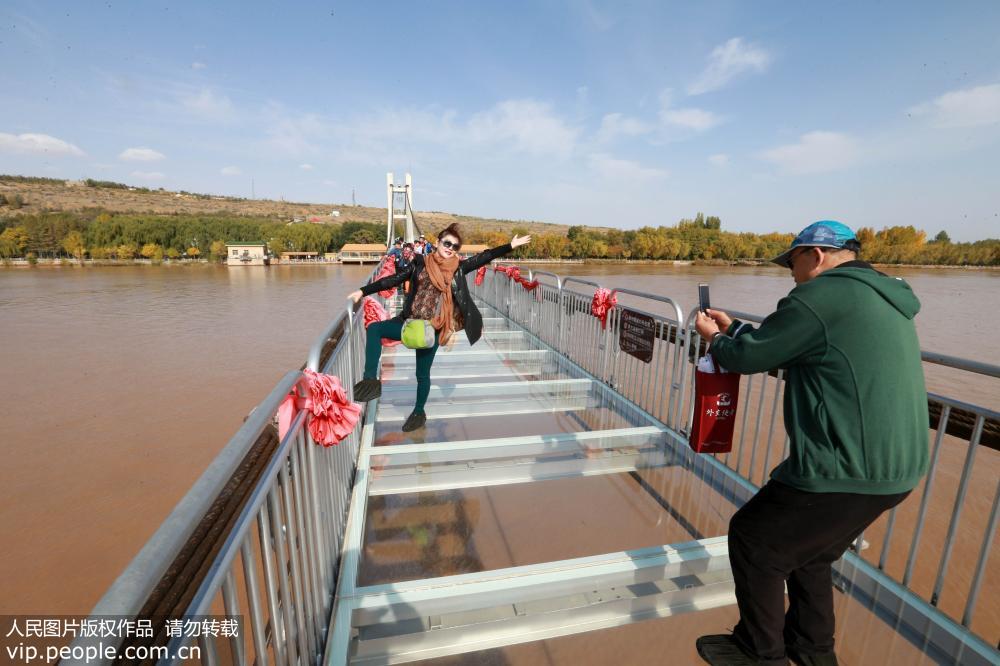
(387, 282)
(486, 256)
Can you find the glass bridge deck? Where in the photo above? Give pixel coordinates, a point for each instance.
(541, 518)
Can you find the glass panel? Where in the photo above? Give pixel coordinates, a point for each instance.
(480, 354)
(529, 459)
(603, 417)
(863, 638)
(519, 368)
(422, 535)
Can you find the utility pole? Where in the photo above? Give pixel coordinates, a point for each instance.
(354, 201)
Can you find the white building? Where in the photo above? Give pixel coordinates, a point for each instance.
(246, 254)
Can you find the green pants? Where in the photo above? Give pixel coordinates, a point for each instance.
(392, 329)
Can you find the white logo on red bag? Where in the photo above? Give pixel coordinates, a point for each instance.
(725, 400)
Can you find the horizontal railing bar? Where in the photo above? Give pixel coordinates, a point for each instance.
(988, 369)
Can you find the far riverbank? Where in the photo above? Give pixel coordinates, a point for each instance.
(741, 263)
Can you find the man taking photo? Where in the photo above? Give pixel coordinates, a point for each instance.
(855, 410)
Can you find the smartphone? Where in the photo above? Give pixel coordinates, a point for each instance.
(703, 303)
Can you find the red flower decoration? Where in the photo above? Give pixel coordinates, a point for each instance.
(602, 303)
(332, 416)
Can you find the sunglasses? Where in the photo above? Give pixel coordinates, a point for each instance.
(452, 246)
(793, 257)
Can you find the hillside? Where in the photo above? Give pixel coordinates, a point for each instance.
(42, 194)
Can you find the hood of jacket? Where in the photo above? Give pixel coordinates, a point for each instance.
(893, 289)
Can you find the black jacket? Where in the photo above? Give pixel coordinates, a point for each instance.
(471, 317)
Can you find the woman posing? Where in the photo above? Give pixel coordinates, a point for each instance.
(438, 293)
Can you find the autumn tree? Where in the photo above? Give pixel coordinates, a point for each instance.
(73, 244)
(218, 249)
(13, 241)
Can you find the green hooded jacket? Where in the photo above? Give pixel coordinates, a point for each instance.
(855, 405)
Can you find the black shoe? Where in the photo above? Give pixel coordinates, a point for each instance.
(804, 659)
(723, 650)
(414, 421)
(367, 389)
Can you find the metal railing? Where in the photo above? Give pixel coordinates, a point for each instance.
(276, 557)
(664, 388)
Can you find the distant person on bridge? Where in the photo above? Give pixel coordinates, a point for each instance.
(855, 411)
(405, 262)
(439, 294)
(396, 251)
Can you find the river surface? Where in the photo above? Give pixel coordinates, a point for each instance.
(120, 384)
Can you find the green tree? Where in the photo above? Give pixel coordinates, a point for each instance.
(364, 236)
(173, 253)
(942, 237)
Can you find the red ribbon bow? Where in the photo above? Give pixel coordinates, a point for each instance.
(514, 273)
(480, 275)
(332, 416)
(374, 312)
(602, 303)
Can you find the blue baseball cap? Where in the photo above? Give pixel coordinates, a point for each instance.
(825, 233)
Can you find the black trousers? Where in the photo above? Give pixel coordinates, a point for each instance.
(784, 534)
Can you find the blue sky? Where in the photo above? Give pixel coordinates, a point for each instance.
(770, 115)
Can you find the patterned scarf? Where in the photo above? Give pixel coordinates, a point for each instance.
(441, 271)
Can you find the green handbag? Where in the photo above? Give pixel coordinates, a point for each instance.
(417, 334)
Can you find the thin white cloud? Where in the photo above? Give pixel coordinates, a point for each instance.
(40, 144)
(295, 134)
(148, 175)
(719, 160)
(208, 104)
(815, 152)
(614, 168)
(401, 134)
(690, 118)
(969, 107)
(597, 19)
(614, 125)
(698, 120)
(526, 125)
(231, 171)
(140, 155)
(726, 62)
(198, 65)
(306, 167)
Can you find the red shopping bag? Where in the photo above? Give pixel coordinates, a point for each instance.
(716, 395)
